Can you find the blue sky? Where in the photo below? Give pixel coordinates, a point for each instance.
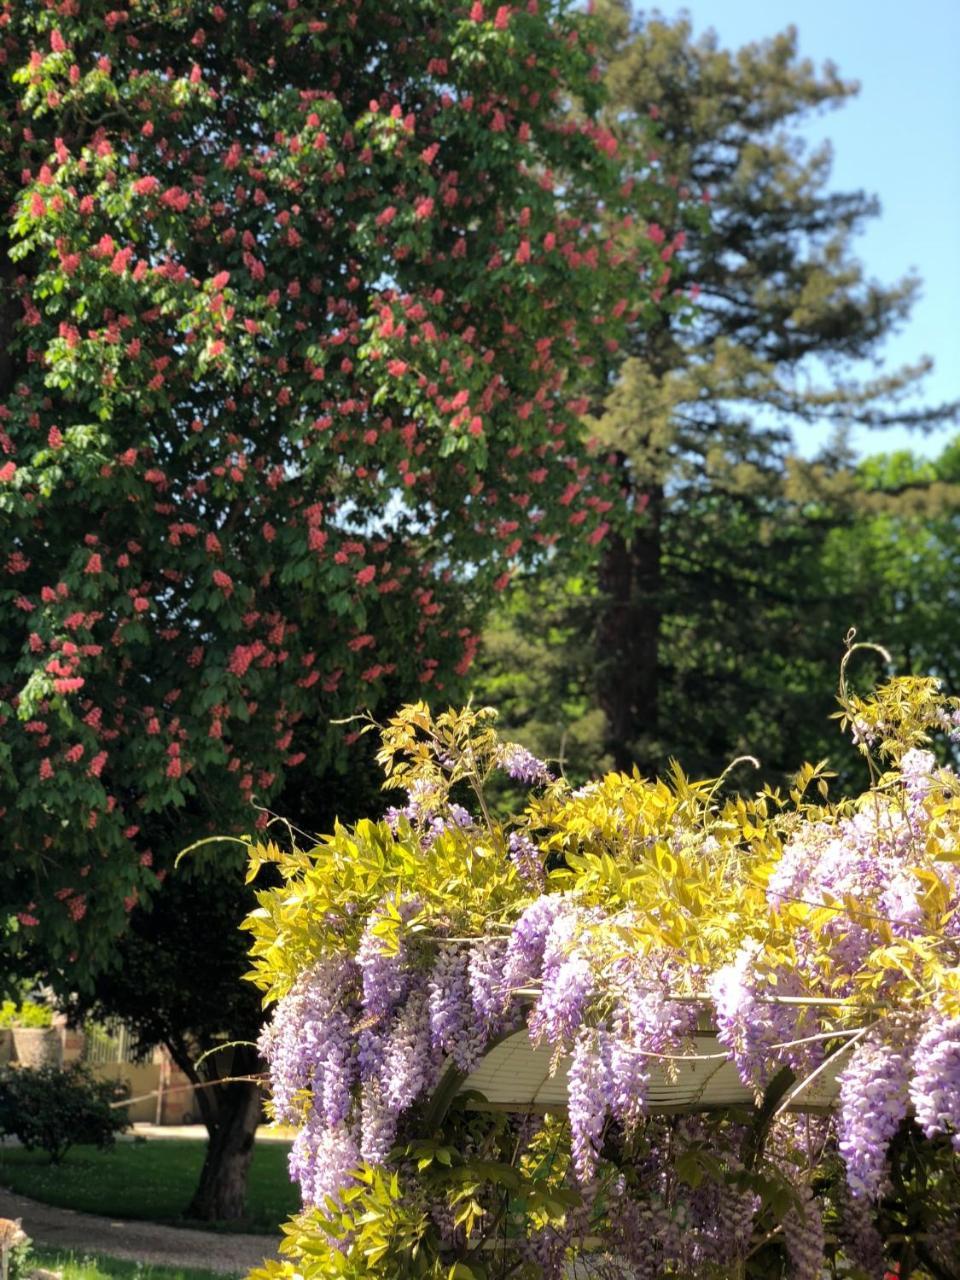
(900, 139)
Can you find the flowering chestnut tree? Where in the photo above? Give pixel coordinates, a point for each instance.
(299, 307)
(612, 923)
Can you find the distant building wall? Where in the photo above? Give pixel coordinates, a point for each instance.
(169, 1094)
(162, 1093)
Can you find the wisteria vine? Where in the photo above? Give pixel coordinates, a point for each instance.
(617, 925)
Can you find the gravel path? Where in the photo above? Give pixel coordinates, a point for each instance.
(146, 1242)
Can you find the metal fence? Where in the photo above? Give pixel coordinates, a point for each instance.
(108, 1042)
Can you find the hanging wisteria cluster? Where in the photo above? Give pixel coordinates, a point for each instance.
(613, 923)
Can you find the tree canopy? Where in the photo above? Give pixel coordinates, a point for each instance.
(281, 404)
(712, 626)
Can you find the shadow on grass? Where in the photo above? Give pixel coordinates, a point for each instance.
(152, 1181)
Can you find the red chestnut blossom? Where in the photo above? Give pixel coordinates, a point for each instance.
(282, 372)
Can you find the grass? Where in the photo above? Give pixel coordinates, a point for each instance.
(151, 1180)
(99, 1267)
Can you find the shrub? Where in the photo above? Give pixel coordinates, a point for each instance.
(54, 1108)
(26, 1014)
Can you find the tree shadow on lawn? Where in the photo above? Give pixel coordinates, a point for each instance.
(150, 1181)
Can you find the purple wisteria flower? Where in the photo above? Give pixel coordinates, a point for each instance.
(873, 1101)
(524, 957)
(751, 1030)
(919, 771)
(803, 1236)
(935, 1087)
(485, 974)
(522, 765)
(421, 805)
(378, 1124)
(567, 982)
(528, 860)
(860, 1238)
(587, 1092)
(322, 1160)
(645, 1022)
(560, 1009)
(645, 1232)
(454, 818)
(410, 1064)
(627, 1075)
(454, 1028)
(430, 814)
(307, 1043)
(385, 975)
(720, 1224)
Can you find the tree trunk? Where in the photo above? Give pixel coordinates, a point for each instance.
(221, 1195)
(628, 638)
(231, 1113)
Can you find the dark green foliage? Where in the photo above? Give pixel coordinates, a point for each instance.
(716, 627)
(177, 976)
(55, 1108)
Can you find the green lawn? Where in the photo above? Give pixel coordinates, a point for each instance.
(151, 1179)
(98, 1267)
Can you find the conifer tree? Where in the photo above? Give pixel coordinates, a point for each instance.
(706, 623)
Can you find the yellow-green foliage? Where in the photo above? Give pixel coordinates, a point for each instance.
(680, 867)
(683, 861)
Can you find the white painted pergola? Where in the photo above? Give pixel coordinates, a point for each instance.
(516, 1076)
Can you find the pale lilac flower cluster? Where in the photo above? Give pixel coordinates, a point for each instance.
(552, 947)
(803, 1236)
(430, 815)
(307, 1043)
(547, 1250)
(935, 1087)
(384, 972)
(528, 860)
(485, 976)
(750, 1029)
(421, 805)
(322, 1160)
(860, 1237)
(308, 1049)
(918, 771)
(525, 950)
(410, 1065)
(522, 765)
(588, 1083)
(454, 1029)
(868, 856)
(720, 1225)
(660, 1225)
(644, 1022)
(873, 1102)
(378, 1123)
(568, 982)
(454, 818)
(647, 1233)
(627, 1072)
(380, 1027)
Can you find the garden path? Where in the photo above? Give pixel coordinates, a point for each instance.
(146, 1242)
